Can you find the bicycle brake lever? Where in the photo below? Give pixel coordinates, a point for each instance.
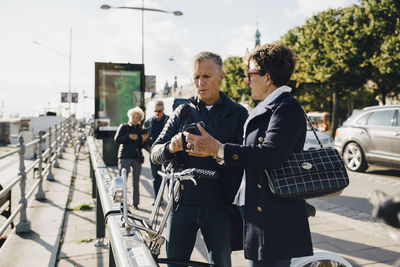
(194, 181)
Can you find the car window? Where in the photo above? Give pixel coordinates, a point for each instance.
(381, 118)
(363, 120)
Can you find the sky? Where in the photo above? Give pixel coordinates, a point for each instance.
(35, 42)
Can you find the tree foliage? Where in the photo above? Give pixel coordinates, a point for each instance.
(339, 52)
(235, 82)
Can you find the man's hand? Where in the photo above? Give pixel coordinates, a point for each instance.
(176, 143)
(133, 136)
(203, 145)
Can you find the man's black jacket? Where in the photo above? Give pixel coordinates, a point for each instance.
(151, 125)
(224, 121)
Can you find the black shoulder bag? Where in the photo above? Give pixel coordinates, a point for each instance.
(309, 174)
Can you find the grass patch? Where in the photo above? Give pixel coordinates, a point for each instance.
(85, 240)
(83, 207)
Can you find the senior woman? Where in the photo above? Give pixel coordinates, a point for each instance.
(275, 229)
(130, 138)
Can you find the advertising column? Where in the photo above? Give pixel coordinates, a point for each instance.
(118, 88)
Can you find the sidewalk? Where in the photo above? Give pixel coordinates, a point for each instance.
(333, 229)
(39, 247)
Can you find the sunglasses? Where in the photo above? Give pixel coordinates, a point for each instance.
(158, 111)
(251, 73)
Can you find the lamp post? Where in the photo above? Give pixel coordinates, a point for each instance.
(176, 13)
(69, 66)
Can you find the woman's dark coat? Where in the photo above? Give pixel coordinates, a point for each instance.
(274, 229)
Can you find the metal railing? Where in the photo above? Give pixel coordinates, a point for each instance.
(49, 146)
(127, 248)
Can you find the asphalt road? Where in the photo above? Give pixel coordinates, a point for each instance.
(355, 197)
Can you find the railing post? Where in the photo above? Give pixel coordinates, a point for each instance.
(40, 193)
(23, 225)
(60, 144)
(50, 176)
(64, 134)
(56, 165)
(92, 175)
(100, 223)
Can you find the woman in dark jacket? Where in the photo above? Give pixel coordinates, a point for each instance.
(130, 138)
(275, 229)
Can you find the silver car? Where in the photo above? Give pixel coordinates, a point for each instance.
(311, 141)
(370, 136)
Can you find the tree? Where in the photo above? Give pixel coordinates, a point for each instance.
(329, 50)
(383, 34)
(235, 82)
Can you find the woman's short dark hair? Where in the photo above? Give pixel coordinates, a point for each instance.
(276, 59)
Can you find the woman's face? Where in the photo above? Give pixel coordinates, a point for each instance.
(258, 83)
(135, 119)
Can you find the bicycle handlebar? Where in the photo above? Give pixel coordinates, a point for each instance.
(386, 208)
(190, 174)
(201, 173)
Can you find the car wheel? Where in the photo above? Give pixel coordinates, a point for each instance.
(354, 158)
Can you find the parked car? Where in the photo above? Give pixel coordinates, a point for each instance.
(370, 136)
(312, 142)
(320, 120)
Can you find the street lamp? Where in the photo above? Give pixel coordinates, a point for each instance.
(69, 66)
(176, 13)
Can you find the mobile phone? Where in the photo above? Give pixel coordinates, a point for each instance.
(192, 128)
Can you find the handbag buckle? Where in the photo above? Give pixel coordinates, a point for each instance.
(306, 165)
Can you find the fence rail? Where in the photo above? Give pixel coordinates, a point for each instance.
(56, 139)
(126, 247)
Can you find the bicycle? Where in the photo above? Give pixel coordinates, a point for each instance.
(81, 151)
(153, 238)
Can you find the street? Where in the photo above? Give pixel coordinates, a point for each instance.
(352, 206)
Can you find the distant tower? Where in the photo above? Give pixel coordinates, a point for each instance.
(258, 35)
(167, 89)
(175, 86)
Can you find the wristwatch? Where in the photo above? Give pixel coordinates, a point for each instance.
(220, 155)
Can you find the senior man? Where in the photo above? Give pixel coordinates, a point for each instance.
(206, 206)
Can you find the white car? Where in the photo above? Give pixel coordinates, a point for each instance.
(170, 104)
(312, 142)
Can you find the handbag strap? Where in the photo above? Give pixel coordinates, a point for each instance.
(312, 127)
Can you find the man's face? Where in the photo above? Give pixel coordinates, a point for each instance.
(207, 80)
(158, 112)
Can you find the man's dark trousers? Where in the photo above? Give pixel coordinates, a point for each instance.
(214, 223)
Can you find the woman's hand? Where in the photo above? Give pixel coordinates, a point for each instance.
(176, 143)
(203, 145)
(144, 137)
(133, 136)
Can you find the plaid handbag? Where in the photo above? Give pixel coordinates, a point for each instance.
(309, 174)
